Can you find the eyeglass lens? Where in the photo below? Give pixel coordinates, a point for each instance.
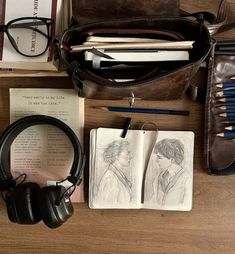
(29, 36)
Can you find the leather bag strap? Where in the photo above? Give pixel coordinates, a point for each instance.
(213, 23)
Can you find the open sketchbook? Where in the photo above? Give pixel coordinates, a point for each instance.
(146, 169)
(44, 153)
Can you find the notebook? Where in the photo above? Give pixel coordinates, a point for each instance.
(139, 55)
(146, 169)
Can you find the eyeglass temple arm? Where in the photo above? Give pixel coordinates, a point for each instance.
(2, 29)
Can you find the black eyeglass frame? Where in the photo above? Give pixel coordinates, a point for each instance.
(47, 21)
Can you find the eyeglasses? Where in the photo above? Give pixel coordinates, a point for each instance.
(29, 36)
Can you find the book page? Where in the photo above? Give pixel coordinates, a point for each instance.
(35, 8)
(45, 153)
(115, 172)
(168, 183)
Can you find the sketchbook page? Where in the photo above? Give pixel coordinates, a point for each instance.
(117, 170)
(149, 140)
(45, 153)
(169, 175)
(92, 156)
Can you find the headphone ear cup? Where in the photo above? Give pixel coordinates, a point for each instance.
(22, 205)
(54, 208)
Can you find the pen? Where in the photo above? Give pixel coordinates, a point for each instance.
(144, 110)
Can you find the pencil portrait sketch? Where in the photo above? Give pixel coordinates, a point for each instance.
(114, 182)
(169, 183)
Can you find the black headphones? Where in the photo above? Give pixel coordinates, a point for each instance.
(27, 203)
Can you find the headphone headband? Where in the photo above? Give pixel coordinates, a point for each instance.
(13, 130)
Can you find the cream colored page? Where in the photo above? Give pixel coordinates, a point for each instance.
(168, 181)
(115, 172)
(44, 153)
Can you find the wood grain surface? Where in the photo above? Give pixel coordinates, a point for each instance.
(208, 228)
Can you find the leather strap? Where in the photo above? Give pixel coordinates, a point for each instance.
(214, 23)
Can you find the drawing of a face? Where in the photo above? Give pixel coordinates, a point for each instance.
(124, 158)
(163, 162)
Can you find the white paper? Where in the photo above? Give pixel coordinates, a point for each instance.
(116, 169)
(169, 175)
(45, 153)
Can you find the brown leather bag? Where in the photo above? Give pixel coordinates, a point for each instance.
(161, 82)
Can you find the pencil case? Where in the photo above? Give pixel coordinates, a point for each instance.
(149, 19)
(219, 146)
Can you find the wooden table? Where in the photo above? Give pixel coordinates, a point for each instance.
(208, 228)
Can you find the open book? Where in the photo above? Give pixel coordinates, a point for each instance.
(147, 169)
(44, 153)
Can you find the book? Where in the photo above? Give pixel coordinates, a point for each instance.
(136, 45)
(57, 10)
(113, 39)
(9, 72)
(146, 169)
(138, 55)
(44, 153)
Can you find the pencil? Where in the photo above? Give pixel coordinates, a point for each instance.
(230, 121)
(227, 107)
(144, 110)
(226, 134)
(227, 100)
(226, 85)
(228, 114)
(230, 128)
(225, 93)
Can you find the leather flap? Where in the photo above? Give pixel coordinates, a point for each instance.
(87, 11)
(219, 151)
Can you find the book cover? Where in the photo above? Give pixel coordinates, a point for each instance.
(44, 153)
(146, 169)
